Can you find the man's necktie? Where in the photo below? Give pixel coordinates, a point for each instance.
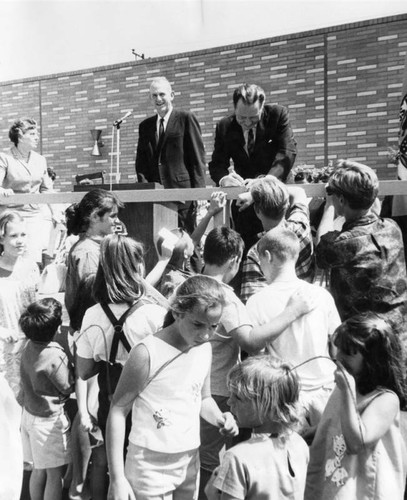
(250, 142)
(160, 134)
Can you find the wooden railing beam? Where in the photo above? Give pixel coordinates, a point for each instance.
(172, 195)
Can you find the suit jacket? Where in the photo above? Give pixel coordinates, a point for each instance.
(275, 145)
(181, 161)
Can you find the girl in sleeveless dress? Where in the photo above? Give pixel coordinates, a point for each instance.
(166, 382)
(358, 452)
(119, 292)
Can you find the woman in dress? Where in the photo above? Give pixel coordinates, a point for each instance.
(22, 170)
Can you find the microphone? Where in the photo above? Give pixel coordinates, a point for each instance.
(118, 122)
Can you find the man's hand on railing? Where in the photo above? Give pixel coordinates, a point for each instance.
(231, 180)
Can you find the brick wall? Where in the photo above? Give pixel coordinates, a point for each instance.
(342, 86)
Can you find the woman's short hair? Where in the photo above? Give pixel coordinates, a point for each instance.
(119, 277)
(19, 128)
(96, 201)
(356, 182)
(272, 384)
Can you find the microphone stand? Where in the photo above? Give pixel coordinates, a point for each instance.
(116, 125)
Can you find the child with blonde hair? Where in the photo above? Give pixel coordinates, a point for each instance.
(273, 462)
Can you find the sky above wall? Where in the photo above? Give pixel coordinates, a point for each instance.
(40, 37)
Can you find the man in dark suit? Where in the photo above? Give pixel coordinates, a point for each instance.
(259, 140)
(170, 150)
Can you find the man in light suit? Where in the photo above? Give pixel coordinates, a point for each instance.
(259, 140)
(170, 149)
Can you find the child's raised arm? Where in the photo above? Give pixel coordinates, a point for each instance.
(364, 430)
(167, 248)
(217, 204)
(132, 381)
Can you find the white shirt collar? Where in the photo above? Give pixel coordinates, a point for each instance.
(166, 118)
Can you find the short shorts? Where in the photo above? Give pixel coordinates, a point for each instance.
(162, 476)
(46, 440)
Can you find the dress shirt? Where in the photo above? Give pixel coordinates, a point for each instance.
(165, 123)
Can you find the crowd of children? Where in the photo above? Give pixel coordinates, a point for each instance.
(295, 394)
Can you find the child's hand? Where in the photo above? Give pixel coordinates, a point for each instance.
(343, 379)
(8, 335)
(217, 203)
(300, 303)
(87, 424)
(167, 247)
(120, 489)
(228, 426)
(244, 200)
(248, 183)
(6, 192)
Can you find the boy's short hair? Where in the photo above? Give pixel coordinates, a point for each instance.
(280, 242)
(356, 182)
(221, 245)
(41, 320)
(270, 197)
